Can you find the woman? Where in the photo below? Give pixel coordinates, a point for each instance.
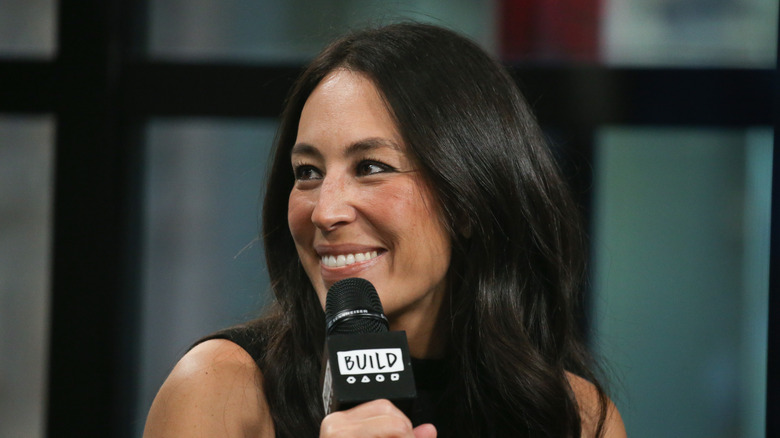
(408, 157)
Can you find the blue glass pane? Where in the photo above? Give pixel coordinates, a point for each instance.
(293, 30)
(718, 33)
(26, 194)
(28, 28)
(203, 265)
(681, 256)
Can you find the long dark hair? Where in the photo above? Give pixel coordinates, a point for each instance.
(518, 252)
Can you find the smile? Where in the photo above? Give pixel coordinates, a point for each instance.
(332, 261)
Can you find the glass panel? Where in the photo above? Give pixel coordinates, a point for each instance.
(736, 33)
(292, 30)
(28, 28)
(681, 253)
(203, 265)
(712, 33)
(26, 160)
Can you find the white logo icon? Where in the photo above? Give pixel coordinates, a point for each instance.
(351, 379)
(365, 379)
(395, 377)
(380, 378)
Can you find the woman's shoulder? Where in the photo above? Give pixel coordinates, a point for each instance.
(215, 389)
(588, 399)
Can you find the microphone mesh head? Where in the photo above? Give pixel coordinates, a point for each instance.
(354, 294)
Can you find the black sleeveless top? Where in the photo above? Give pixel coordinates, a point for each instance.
(430, 375)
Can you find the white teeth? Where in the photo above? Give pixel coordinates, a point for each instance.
(347, 259)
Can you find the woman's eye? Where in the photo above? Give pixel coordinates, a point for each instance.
(372, 167)
(306, 173)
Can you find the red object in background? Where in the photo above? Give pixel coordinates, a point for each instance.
(549, 30)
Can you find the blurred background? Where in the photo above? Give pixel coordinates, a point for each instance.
(133, 145)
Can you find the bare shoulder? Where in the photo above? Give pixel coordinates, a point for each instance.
(588, 400)
(214, 390)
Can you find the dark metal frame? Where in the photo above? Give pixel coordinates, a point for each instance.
(100, 91)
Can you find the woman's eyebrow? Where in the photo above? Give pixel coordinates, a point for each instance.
(305, 149)
(370, 144)
(360, 146)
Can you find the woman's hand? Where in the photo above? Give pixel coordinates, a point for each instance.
(378, 418)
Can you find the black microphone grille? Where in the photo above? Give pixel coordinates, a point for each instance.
(353, 306)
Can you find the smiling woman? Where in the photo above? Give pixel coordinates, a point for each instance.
(357, 192)
(407, 156)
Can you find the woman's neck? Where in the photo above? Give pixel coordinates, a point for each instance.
(427, 334)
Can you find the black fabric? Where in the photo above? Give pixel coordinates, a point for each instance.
(430, 375)
(246, 336)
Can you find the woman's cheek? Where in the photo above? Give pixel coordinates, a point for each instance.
(299, 216)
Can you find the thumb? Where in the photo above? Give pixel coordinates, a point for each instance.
(425, 431)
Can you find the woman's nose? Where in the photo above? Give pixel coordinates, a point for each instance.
(334, 206)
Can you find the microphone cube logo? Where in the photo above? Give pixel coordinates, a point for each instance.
(370, 361)
(368, 366)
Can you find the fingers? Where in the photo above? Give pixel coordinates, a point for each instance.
(425, 431)
(378, 418)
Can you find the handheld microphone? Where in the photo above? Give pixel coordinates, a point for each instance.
(363, 360)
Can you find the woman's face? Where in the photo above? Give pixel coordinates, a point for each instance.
(359, 206)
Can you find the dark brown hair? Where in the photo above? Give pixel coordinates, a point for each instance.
(518, 252)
